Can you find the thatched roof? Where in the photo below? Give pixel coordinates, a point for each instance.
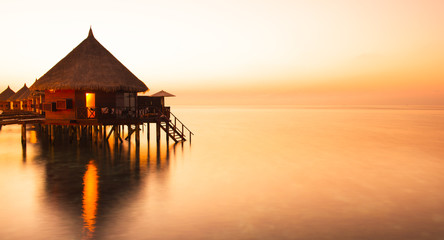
(90, 66)
(162, 94)
(18, 95)
(25, 95)
(7, 93)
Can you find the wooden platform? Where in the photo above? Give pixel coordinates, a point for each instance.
(172, 126)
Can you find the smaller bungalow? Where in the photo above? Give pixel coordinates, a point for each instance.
(16, 99)
(154, 104)
(4, 96)
(37, 98)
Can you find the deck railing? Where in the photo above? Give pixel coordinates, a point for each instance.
(147, 113)
(105, 113)
(182, 126)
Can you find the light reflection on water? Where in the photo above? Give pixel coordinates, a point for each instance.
(287, 173)
(90, 198)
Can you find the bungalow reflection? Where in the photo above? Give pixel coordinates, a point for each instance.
(85, 184)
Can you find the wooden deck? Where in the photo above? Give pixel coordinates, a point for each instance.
(20, 117)
(169, 123)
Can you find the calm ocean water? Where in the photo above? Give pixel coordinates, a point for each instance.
(249, 173)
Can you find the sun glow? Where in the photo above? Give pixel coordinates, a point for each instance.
(261, 45)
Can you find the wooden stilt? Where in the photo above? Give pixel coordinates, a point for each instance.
(95, 133)
(116, 133)
(24, 134)
(52, 133)
(158, 133)
(78, 129)
(137, 134)
(105, 133)
(70, 134)
(100, 133)
(148, 132)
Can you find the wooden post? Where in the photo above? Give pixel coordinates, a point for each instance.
(24, 134)
(95, 134)
(130, 131)
(52, 133)
(104, 132)
(78, 129)
(167, 133)
(100, 133)
(158, 133)
(116, 133)
(148, 132)
(70, 134)
(175, 126)
(137, 134)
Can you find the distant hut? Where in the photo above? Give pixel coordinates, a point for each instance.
(38, 97)
(89, 83)
(25, 100)
(4, 104)
(16, 99)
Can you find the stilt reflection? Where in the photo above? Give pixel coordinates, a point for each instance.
(87, 183)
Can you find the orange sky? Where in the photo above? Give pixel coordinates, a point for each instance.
(253, 52)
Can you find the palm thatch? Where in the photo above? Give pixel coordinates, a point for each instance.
(90, 66)
(7, 93)
(162, 94)
(18, 95)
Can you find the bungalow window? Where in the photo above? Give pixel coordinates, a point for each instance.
(49, 107)
(91, 104)
(64, 104)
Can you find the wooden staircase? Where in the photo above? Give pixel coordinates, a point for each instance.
(175, 128)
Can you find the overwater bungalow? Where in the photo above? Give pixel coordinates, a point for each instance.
(4, 96)
(90, 87)
(88, 90)
(16, 100)
(89, 83)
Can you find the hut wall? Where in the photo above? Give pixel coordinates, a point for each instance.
(102, 100)
(60, 95)
(5, 105)
(15, 105)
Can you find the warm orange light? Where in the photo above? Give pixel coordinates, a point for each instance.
(90, 100)
(90, 198)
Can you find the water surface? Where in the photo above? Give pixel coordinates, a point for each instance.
(249, 173)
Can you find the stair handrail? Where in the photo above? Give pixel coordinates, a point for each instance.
(181, 123)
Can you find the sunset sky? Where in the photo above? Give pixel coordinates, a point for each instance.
(242, 51)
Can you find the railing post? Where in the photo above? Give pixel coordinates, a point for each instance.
(175, 127)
